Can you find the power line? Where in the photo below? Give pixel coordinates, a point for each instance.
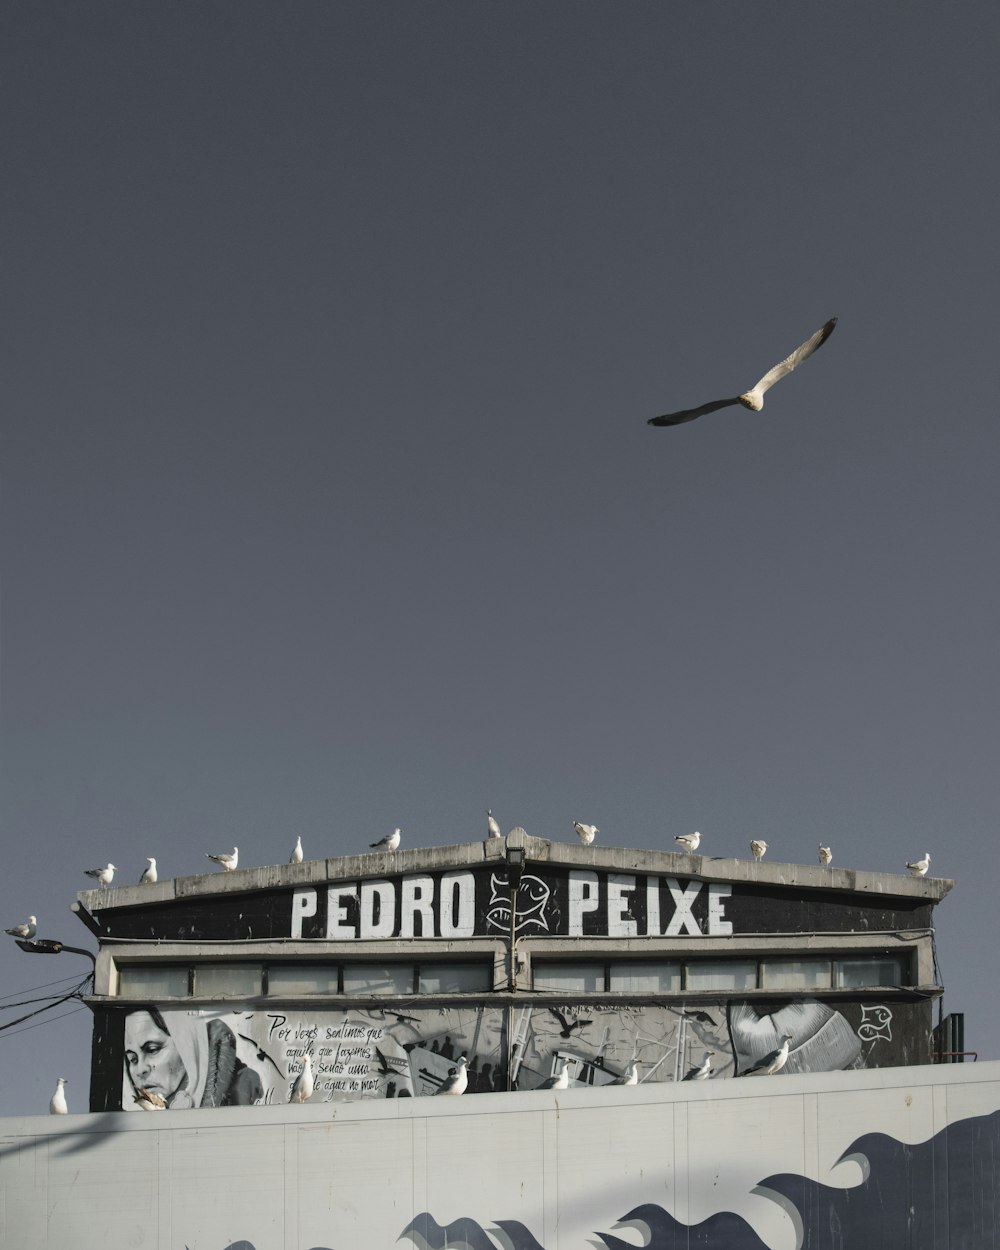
(28, 1027)
(74, 993)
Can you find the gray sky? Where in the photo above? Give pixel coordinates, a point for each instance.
(328, 499)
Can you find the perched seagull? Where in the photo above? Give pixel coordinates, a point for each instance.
(24, 930)
(149, 872)
(753, 398)
(457, 1080)
(703, 1070)
(825, 855)
(629, 1077)
(688, 841)
(774, 1061)
(57, 1103)
(561, 1078)
(302, 1089)
(759, 848)
(586, 833)
(389, 842)
(919, 869)
(227, 862)
(493, 829)
(146, 1100)
(296, 855)
(103, 876)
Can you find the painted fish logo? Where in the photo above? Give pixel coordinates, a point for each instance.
(876, 1022)
(532, 899)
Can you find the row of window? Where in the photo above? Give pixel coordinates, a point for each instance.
(286, 980)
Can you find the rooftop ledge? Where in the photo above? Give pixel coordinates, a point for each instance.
(378, 864)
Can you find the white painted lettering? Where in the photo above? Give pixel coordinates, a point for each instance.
(619, 922)
(380, 896)
(718, 925)
(457, 905)
(653, 907)
(337, 929)
(303, 905)
(582, 898)
(683, 899)
(417, 899)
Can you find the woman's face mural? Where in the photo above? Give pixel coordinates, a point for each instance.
(152, 1057)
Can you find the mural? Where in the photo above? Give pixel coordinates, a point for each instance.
(225, 1057)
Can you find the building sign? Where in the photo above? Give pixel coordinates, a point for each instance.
(551, 901)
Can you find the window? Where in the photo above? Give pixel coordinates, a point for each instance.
(569, 977)
(645, 978)
(378, 978)
(729, 974)
(454, 978)
(152, 981)
(857, 973)
(303, 979)
(227, 980)
(795, 974)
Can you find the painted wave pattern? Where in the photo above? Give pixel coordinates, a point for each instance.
(941, 1194)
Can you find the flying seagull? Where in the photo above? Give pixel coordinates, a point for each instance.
(103, 876)
(754, 398)
(302, 1088)
(296, 855)
(24, 930)
(825, 855)
(227, 862)
(492, 827)
(149, 872)
(146, 1100)
(688, 841)
(457, 1080)
(57, 1103)
(703, 1070)
(759, 848)
(586, 833)
(774, 1061)
(568, 1025)
(919, 869)
(389, 842)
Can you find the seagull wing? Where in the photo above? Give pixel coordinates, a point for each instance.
(796, 358)
(691, 414)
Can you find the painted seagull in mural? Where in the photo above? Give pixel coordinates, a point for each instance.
(759, 848)
(772, 1062)
(302, 1088)
(702, 1017)
(825, 855)
(568, 1025)
(586, 833)
(457, 1080)
(23, 931)
(753, 398)
(146, 1100)
(688, 841)
(103, 876)
(296, 856)
(57, 1103)
(492, 828)
(389, 842)
(703, 1070)
(227, 863)
(919, 869)
(149, 872)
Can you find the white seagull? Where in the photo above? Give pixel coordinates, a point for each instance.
(774, 1061)
(296, 855)
(57, 1103)
(561, 1078)
(759, 848)
(302, 1088)
(629, 1077)
(702, 1071)
(586, 833)
(226, 862)
(492, 828)
(457, 1080)
(24, 930)
(919, 869)
(149, 872)
(389, 842)
(688, 841)
(103, 876)
(146, 1100)
(825, 854)
(753, 398)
